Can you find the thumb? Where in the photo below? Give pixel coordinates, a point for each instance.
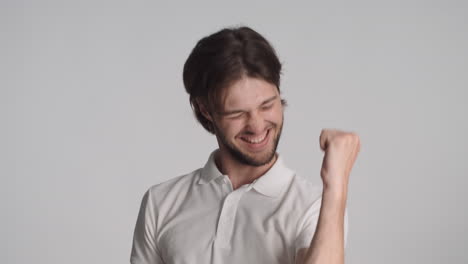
(324, 135)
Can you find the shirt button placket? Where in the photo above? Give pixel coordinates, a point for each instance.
(227, 217)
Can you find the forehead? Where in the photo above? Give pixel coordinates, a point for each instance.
(246, 93)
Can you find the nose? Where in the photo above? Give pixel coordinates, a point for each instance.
(255, 123)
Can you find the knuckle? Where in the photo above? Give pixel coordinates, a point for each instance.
(356, 138)
(348, 138)
(340, 140)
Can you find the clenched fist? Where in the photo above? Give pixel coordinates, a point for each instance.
(341, 150)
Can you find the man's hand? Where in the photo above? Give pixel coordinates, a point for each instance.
(341, 150)
(327, 246)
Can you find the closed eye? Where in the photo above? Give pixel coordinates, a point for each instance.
(267, 107)
(234, 115)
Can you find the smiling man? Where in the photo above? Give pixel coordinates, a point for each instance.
(245, 205)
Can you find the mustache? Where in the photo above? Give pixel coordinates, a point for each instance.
(250, 132)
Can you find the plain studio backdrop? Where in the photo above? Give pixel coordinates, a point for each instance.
(93, 112)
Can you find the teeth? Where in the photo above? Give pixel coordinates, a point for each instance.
(255, 140)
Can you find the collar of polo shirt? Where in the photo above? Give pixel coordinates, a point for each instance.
(271, 184)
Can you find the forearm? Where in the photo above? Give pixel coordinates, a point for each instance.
(327, 245)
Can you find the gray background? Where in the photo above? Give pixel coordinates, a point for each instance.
(93, 112)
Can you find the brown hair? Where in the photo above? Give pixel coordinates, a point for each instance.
(222, 58)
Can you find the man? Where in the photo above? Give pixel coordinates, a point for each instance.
(245, 205)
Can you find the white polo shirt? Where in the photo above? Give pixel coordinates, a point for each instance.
(198, 218)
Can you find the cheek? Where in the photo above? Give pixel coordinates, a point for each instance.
(231, 128)
(275, 116)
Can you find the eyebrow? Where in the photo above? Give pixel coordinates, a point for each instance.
(263, 103)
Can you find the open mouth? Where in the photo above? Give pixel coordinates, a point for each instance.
(257, 141)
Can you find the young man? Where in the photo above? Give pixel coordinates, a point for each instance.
(245, 205)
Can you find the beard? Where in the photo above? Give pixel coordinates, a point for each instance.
(246, 158)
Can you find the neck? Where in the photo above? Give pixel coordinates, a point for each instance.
(240, 173)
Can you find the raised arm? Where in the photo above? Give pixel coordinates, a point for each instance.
(327, 245)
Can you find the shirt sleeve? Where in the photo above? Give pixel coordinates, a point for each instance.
(144, 248)
(309, 224)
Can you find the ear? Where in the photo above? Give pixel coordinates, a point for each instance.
(204, 110)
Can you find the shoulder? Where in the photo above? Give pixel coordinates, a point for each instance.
(305, 190)
(173, 186)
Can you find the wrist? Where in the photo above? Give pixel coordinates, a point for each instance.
(335, 192)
